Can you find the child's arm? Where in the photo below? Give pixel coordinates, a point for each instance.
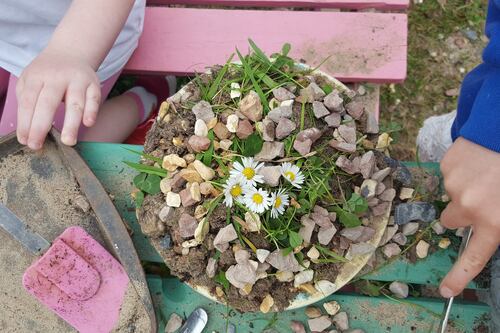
(472, 180)
(66, 69)
(471, 168)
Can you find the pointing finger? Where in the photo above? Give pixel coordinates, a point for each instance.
(481, 247)
(74, 103)
(27, 96)
(453, 218)
(92, 104)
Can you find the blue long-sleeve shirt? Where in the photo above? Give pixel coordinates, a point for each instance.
(478, 113)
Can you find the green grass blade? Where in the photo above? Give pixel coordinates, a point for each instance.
(215, 85)
(258, 52)
(249, 73)
(147, 169)
(146, 156)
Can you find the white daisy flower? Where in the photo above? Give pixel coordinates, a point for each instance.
(234, 190)
(248, 171)
(257, 200)
(292, 173)
(279, 200)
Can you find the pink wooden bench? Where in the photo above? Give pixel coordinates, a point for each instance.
(366, 40)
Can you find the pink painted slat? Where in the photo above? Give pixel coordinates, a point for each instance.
(363, 46)
(347, 4)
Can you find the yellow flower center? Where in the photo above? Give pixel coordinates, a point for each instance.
(236, 191)
(277, 202)
(249, 173)
(257, 198)
(290, 175)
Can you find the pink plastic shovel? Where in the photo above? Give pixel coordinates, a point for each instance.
(76, 277)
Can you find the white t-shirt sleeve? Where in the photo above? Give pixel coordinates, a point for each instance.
(26, 28)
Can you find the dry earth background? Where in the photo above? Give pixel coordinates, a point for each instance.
(446, 39)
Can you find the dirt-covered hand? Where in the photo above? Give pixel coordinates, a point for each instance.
(52, 77)
(472, 181)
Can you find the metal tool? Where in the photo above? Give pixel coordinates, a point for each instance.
(35, 243)
(449, 301)
(196, 322)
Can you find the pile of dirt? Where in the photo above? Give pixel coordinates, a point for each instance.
(190, 260)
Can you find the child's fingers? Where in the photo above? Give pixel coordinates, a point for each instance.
(49, 99)
(453, 217)
(481, 247)
(75, 104)
(27, 95)
(92, 104)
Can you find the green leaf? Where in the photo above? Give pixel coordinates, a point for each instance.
(139, 179)
(286, 49)
(295, 239)
(258, 52)
(286, 251)
(209, 153)
(147, 169)
(356, 204)
(252, 145)
(329, 253)
(348, 219)
(327, 88)
(369, 288)
(151, 184)
(146, 156)
(139, 199)
(222, 280)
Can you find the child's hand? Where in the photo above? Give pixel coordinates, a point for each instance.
(52, 77)
(472, 180)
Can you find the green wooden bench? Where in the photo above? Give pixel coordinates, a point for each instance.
(373, 314)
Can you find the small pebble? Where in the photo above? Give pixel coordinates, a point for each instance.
(173, 199)
(444, 243)
(400, 239)
(173, 324)
(341, 321)
(284, 276)
(438, 228)
(406, 193)
(422, 249)
(232, 123)
(332, 308)
(313, 312)
(320, 110)
(199, 143)
(390, 250)
(81, 202)
(267, 304)
(297, 327)
(319, 324)
(410, 228)
(203, 110)
(399, 289)
(200, 128)
(414, 211)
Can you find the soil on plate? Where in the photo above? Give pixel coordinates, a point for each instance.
(191, 267)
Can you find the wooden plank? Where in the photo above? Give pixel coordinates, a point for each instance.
(372, 314)
(363, 46)
(344, 4)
